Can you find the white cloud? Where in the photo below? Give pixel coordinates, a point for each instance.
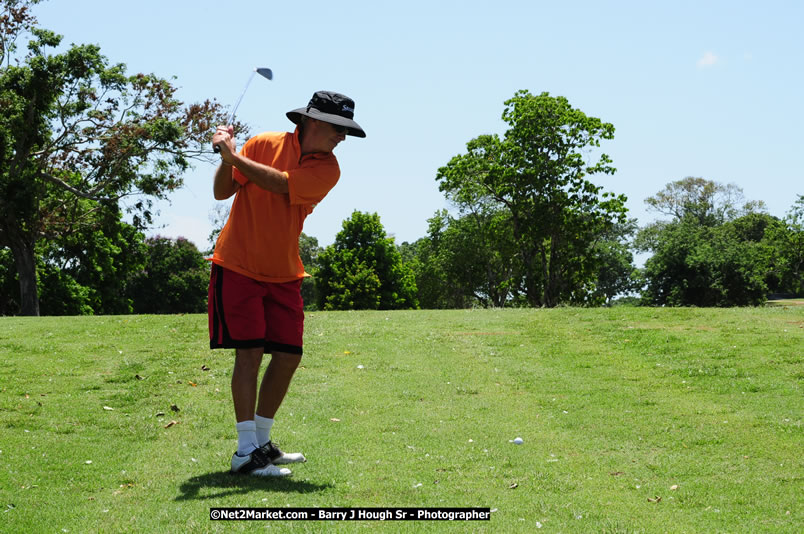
(707, 60)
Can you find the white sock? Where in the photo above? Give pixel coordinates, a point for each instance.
(246, 437)
(264, 425)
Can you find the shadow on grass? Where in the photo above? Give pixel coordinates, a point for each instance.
(224, 483)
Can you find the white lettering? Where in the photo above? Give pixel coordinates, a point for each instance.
(331, 514)
(382, 515)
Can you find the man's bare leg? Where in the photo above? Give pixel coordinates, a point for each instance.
(276, 381)
(273, 389)
(244, 382)
(249, 457)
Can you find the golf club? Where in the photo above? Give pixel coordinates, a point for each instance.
(262, 71)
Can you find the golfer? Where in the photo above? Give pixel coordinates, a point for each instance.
(255, 303)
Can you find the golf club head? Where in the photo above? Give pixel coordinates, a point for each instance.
(265, 72)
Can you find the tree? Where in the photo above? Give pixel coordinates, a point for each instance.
(174, 279)
(218, 217)
(537, 174)
(78, 136)
(785, 243)
(429, 262)
(706, 202)
(712, 253)
(435, 290)
(363, 269)
(468, 260)
(82, 272)
(94, 262)
(695, 265)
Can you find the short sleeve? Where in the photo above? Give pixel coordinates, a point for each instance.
(310, 184)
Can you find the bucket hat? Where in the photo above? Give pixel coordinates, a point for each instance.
(334, 108)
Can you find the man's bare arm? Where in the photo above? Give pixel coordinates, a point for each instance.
(224, 186)
(261, 175)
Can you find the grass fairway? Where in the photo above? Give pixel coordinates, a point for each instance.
(633, 420)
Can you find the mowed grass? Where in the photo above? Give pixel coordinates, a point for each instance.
(633, 420)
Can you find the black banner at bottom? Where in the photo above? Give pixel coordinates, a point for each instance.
(350, 514)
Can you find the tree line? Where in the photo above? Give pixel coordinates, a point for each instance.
(712, 251)
(82, 144)
(716, 249)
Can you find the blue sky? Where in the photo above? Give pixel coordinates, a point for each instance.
(709, 89)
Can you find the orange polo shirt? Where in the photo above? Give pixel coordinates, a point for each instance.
(261, 237)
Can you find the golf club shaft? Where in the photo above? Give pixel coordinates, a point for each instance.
(234, 109)
(264, 72)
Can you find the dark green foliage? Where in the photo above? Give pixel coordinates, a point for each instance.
(466, 261)
(616, 273)
(785, 243)
(93, 263)
(696, 265)
(363, 269)
(175, 278)
(536, 174)
(434, 291)
(9, 285)
(85, 271)
(60, 294)
(715, 252)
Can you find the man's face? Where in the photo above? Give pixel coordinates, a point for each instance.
(320, 136)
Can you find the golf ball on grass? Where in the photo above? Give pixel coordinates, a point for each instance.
(518, 441)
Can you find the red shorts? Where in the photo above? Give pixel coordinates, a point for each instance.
(245, 313)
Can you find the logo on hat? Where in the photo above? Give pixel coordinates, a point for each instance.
(347, 108)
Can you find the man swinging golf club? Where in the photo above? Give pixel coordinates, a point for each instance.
(255, 303)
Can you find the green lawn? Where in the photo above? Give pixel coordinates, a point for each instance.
(633, 420)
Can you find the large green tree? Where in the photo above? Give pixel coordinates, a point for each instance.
(537, 172)
(78, 136)
(712, 252)
(363, 269)
(695, 265)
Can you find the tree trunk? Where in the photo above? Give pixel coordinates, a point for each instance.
(533, 292)
(546, 276)
(26, 269)
(532, 289)
(553, 282)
